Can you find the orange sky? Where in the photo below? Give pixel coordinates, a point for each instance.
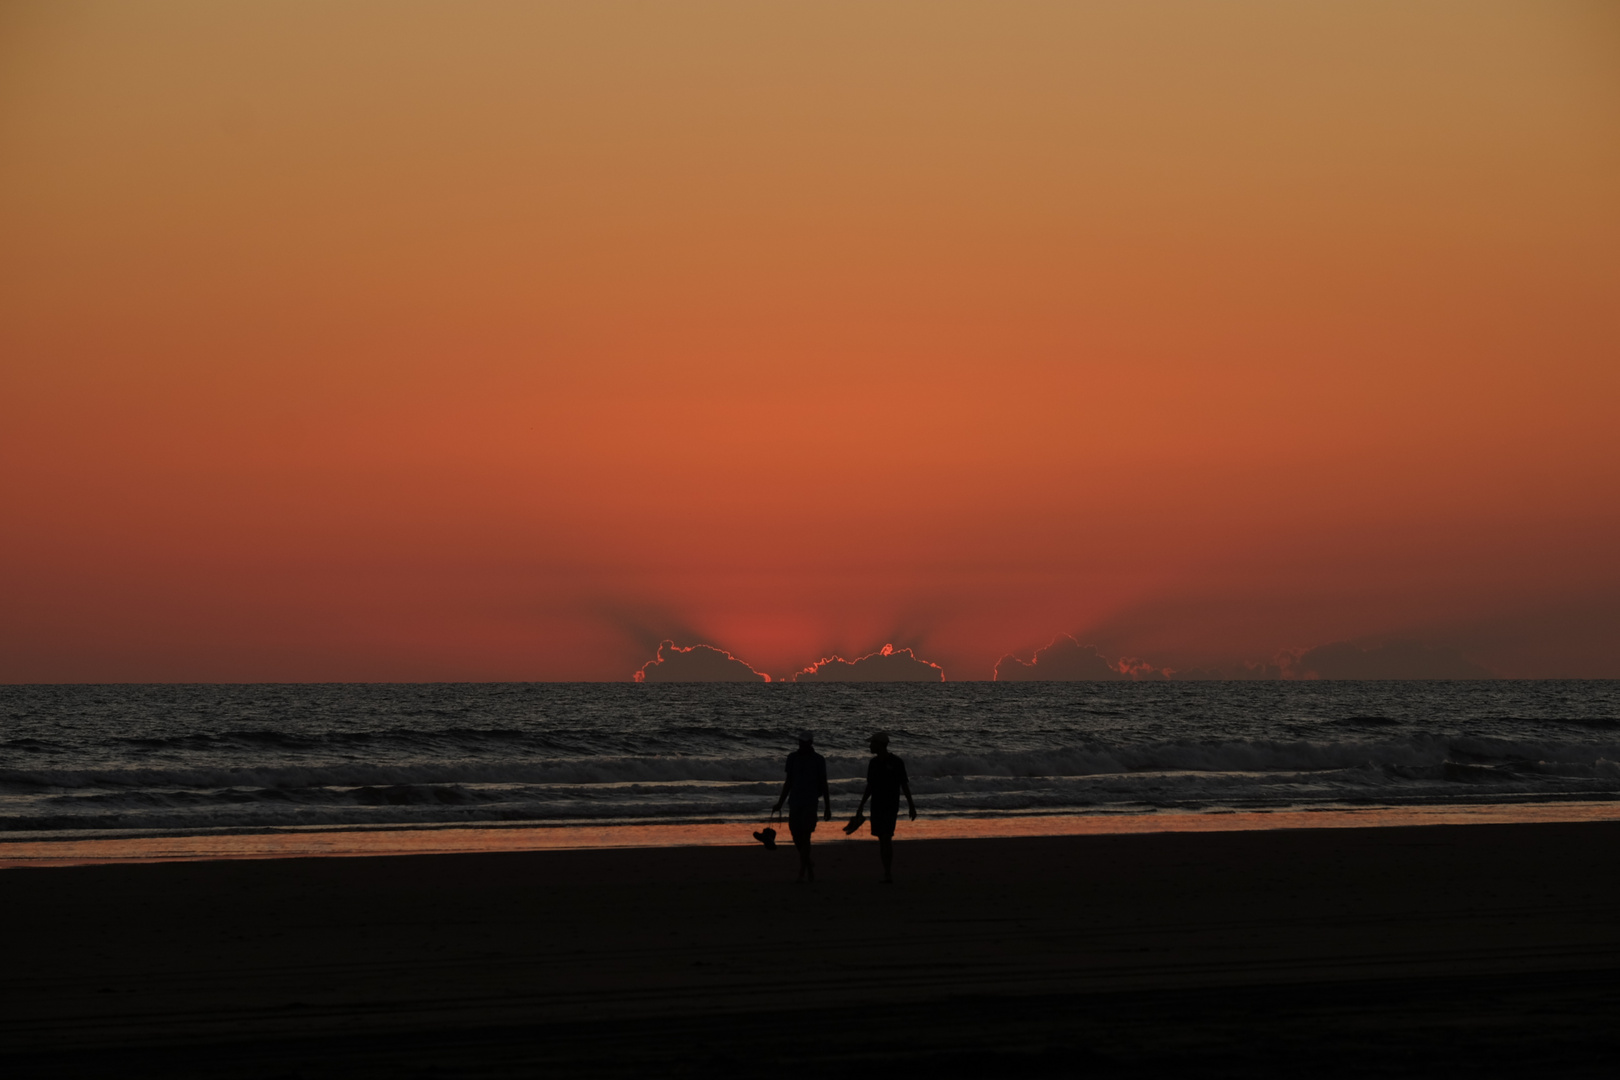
(503, 341)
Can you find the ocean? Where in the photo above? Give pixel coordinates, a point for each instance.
(100, 761)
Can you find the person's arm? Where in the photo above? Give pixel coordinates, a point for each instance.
(865, 792)
(905, 786)
(826, 792)
(787, 785)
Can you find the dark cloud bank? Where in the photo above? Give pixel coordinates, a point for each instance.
(705, 663)
(1389, 660)
(888, 664)
(1067, 660)
(696, 663)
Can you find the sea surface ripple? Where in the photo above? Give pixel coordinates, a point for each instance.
(111, 759)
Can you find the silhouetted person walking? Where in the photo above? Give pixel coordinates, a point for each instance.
(806, 782)
(885, 782)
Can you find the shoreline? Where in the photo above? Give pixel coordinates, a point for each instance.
(19, 851)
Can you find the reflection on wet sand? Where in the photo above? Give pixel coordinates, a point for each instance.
(295, 843)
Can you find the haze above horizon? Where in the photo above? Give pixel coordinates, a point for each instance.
(495, 341)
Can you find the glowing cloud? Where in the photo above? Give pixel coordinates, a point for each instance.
(889, 664)
(696, 663)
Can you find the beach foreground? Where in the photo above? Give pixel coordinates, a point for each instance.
(1409, 951)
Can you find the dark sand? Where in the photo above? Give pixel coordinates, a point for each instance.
(1480, 950)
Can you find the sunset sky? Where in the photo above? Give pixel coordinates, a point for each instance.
(444, 341)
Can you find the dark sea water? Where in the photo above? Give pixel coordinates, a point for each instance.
(85, 760)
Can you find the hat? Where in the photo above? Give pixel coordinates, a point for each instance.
(806, 737)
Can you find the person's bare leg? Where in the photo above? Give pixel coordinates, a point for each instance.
(886, 849)
(805, 865)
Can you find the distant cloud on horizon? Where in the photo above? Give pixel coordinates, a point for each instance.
(696, 663)
(1250, 671)
(1066, 660)
(1386, 660)
(888, 664)
(1389, 659)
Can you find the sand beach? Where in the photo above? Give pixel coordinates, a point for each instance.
(1488, 948)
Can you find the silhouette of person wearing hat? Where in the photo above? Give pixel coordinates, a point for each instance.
(806, 782)
(885, 782)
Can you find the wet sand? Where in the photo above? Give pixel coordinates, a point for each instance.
(1491, 949)
(24, 850)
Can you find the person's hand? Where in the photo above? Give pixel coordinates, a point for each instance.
(913, 813)
(829, 814)
(777, 809)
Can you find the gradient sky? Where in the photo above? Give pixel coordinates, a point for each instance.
(393, 341)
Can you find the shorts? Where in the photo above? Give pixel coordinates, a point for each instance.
(802, 821)
(883, 819)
